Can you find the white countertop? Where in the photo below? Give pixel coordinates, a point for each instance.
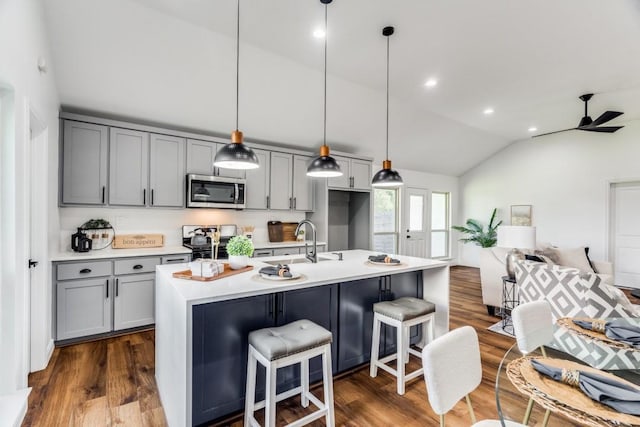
(353, 267)
(276, 245)
(119, 253)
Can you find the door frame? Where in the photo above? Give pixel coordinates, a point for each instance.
(404, 218)
(609, 232)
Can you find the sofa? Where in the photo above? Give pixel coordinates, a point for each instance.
(493, 268)
(571, 292)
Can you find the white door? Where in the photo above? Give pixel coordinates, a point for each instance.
(414, 232)
(625, 233)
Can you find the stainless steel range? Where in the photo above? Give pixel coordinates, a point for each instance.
(198, 239)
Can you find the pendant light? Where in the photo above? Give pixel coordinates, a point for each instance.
(236, 155)
(387, 177)
(324, 166)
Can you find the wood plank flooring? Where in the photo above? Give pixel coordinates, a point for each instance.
(111, 382)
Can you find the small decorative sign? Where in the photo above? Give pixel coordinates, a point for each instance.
(132, 241)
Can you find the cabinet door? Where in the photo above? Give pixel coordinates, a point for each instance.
(280, 184)
(133, 301)
(128, 167)
(355, 312)
(257, 190)
(200, 155)
(302, 185)
(220, 371)
(361, 174)
(83, 308)
(166, 171)
(343, 181)
(84, 163)
(402, 285)
(319, 305)
(230, 173)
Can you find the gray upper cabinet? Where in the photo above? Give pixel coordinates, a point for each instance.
(356, 174)
(84, 163)
(200, 155)
(133, 301)
(128, 167)
(302, 184)
(257, 196)
(280, 188)
(166, 171)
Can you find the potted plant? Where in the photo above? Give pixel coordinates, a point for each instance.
(239, 248)
(476, 233)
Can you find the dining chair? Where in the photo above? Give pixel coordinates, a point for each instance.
(452, 370)
(533, 328)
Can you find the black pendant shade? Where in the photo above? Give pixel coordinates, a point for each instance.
(324, 166)
(236, 155)
(387, 177)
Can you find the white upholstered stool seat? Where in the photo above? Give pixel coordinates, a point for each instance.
(274, 348)
(402, 313)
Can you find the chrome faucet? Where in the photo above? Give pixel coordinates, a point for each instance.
(313, 256)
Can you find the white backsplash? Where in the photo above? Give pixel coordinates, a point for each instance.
(169, 221)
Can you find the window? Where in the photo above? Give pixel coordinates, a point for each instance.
(439, 225)
(385, 220)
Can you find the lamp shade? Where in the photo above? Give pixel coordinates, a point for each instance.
(517, 236)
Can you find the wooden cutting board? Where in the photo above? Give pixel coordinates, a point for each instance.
(228, 271)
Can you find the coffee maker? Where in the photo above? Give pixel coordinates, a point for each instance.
(80, 242)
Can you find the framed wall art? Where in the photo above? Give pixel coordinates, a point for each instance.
(521, 215)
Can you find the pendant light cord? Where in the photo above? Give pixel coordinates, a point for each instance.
(387, 158)
(324, 135)
(238, 66)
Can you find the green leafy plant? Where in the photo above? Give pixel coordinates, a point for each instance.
(477, 235)
(96, 224)
(240, 245)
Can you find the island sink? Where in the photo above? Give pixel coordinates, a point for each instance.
(295, 261)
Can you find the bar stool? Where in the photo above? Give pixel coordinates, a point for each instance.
(274, 348)
(401, 313)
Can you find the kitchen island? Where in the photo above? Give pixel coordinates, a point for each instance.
(202, 327)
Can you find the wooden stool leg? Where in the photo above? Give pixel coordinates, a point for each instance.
(375, 346)
(250, 391)
(304, 383)
(400, 358)
(270, 396)
(327, 378)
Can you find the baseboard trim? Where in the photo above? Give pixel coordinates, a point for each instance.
(13, 408)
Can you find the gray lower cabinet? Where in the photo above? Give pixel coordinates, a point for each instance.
(133, 301)
(84, 163)
(259, 253)
(83, 308)
(287, 251)
(98, 297)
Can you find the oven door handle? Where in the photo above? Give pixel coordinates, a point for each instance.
(236, 196)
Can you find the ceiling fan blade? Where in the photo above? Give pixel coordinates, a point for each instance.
(605, 117)
(551, 133)
(603, 129)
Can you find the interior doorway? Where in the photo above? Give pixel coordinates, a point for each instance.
(624, 232)
(414, 236)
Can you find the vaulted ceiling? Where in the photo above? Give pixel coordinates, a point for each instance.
(173, 61)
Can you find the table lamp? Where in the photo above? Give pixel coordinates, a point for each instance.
(515, 237)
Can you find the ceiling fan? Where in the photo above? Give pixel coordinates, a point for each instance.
(589, 125)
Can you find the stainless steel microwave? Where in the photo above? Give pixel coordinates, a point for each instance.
(204, 191)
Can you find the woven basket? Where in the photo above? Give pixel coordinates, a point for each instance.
(565, 399)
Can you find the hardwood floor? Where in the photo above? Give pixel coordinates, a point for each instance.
(111, 382)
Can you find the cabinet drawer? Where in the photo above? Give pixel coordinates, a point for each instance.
(262, 253)
(81, 270)
(176, 259)
(286, 251)
(136, 265)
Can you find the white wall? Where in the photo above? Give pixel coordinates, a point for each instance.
(168, 221)
(565, 177)
(23, 40)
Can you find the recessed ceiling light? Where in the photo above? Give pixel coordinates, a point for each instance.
(533, 129)
(319, 33)
(488, 111)
(431, 83)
